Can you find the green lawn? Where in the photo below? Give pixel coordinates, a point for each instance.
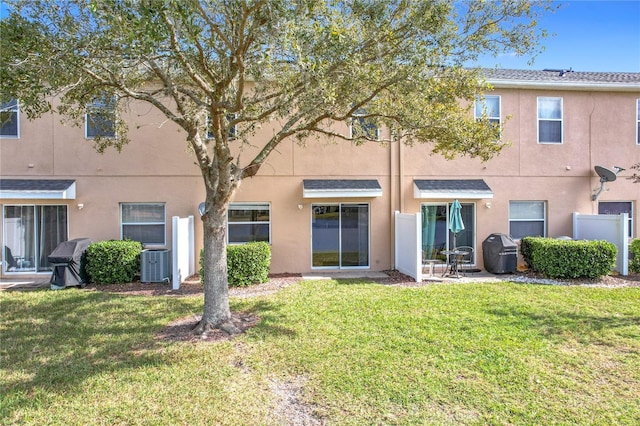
(360, 354)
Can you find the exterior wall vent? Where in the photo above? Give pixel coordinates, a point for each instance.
(155, 266)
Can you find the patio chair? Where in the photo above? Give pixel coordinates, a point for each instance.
(465, 261)
(430, 261)
(12, 263)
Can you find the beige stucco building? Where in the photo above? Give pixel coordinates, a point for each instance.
(330, 205)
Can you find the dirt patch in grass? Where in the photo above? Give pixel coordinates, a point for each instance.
(181, 330)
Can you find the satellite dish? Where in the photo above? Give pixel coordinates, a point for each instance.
(605, 174)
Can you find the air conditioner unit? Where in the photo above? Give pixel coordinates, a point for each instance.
(155, 266)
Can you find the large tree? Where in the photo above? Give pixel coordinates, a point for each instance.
(215, 65)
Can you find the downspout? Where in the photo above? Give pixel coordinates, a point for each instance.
(594, 203)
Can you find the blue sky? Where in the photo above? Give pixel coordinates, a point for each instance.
(586, 35)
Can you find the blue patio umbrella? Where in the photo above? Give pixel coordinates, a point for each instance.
(455, 220)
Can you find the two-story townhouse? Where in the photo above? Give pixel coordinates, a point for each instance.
(330, 205)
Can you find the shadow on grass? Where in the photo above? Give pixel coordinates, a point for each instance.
(52, 342)
(559, 323)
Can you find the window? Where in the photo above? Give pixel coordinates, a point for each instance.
(340, 236)
(144, 222)
(638, 122)
(363, 126)
(488, 107)
(9, 119)
(527, 219)
(549, 120)
(101, 118)
(233, 130)
(248, 222)
(30, 234)
(617, 207)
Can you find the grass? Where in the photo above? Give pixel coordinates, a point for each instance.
(362, 354)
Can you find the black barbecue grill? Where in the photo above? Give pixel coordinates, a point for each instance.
(65, 259)
(500, 254)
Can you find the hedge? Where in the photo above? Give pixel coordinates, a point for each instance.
(634, 263)
(246, 264)
(569, 258)
(114, 261)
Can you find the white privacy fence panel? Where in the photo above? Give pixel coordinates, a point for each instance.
(612, 228)
(408, 244)
(183, 250)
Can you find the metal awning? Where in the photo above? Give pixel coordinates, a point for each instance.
(37, 189)
(341, 188)
(451, 188)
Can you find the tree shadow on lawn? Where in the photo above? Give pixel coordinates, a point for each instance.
(560, 323)
(55, 343)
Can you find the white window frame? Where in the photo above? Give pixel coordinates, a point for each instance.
(245, 206)
(481, 104)
(37, 267)
(163, 223)
(101, 106)
(637, 121)
(630, 213)
(561, 119)
(360, 115)
(340, 204)
(7, 107)
(543, 219)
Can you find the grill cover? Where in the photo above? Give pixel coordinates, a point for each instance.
(500, 254)
(65, 259)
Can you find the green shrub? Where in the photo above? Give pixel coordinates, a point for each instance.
(569, 258)
(246, 264)
(634, 263)
(114, 261)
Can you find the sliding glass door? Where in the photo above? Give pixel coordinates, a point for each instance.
(30, 234)
(436, 235)
(340, 235)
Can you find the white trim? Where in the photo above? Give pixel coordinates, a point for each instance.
(65, 194)
(163, 223)
(256, 205)
(17, 112)
(341, 193)
(340, 267)
(561, 120)
(467, 195)
(524, 84)
(637, 121)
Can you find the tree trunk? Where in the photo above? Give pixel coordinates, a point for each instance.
(216, 314)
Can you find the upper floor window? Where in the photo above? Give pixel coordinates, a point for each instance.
(9, 119)
(100, 120)
(549, 120)
(638, 122)
(363, 127)
(617, 207)
(249, 222)
(527, 219)
(233, 130)
(488, 107)
(144, 222)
